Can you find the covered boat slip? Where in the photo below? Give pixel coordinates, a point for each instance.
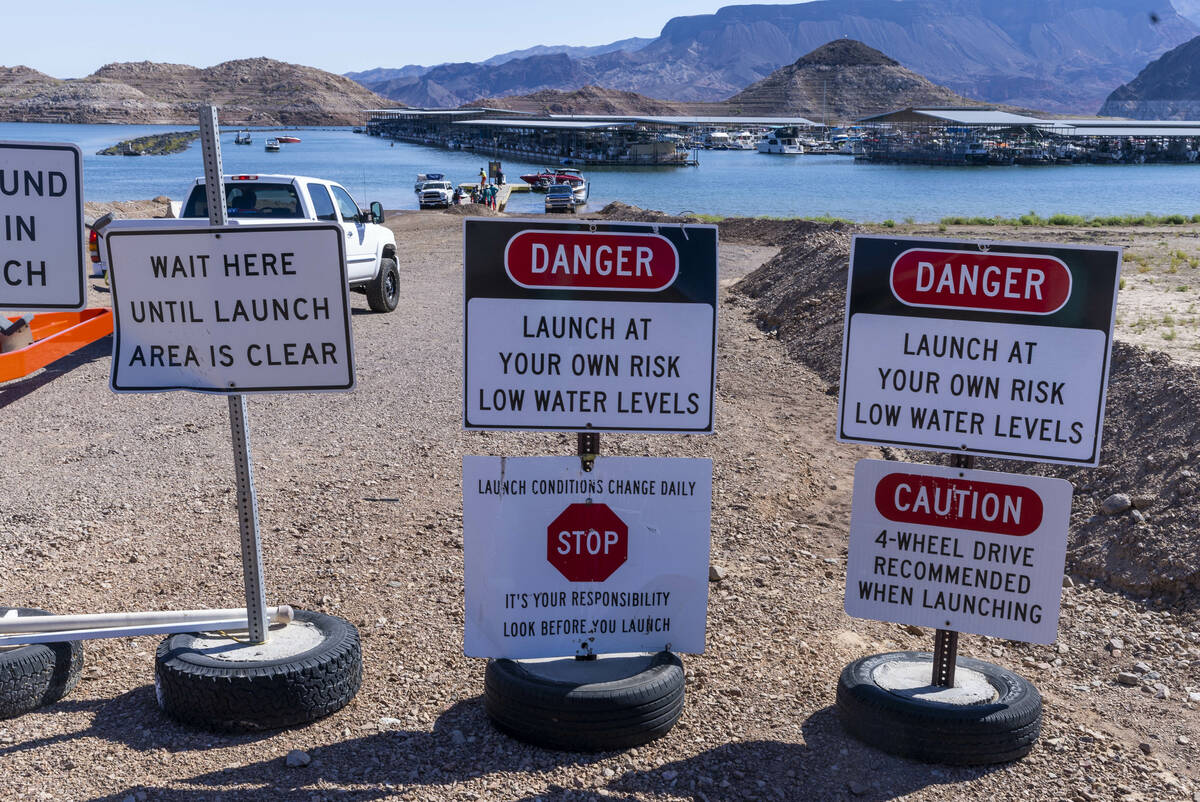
(618, 140)
(983, 136)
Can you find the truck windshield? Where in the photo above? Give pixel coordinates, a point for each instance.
(249, 200)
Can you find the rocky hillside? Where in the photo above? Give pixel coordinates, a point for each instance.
(257, 91)
(588, 100)
(842, 80)
(1060, 55)
(1168, 89)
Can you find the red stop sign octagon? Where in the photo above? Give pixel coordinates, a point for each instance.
(587, 542)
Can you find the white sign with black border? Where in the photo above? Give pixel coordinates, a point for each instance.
(990, 348)
(589, 325)
(230, 310)
(561, 561)
(41, 226)
(958, 549)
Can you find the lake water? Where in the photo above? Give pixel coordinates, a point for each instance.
(726, 182)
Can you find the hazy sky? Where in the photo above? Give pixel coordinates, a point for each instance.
(71, 38)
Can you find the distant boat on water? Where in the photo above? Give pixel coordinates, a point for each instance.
(243, 138)
(271, 144)
(288, 139)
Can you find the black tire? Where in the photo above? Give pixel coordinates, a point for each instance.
(383, 294)
(583, 716)
(246, 696)
(936, 732)
(37, 674)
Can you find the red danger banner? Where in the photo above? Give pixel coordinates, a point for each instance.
(996, 282)
(925, 500)
(537, 259)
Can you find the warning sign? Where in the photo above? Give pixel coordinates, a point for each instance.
(560, 561)
(41, 226)
(230, 310)
(953, 548)
(604, 326)
(978, 348)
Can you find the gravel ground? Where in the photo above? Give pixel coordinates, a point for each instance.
(126, 502)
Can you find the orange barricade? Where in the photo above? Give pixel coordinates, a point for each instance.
(55, 334)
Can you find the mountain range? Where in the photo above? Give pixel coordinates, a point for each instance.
(1058, 55)
(841, 80)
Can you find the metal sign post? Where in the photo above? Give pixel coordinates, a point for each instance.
(945, 641)
(239, 423)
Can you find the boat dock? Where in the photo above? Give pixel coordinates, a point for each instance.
(563, 139)
(984, 136)
(505, 190)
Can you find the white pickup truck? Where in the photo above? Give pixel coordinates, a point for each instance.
(265, 199)
(431, 194)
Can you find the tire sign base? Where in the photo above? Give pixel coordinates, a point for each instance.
(920, 724)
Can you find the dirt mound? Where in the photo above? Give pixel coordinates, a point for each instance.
(801, 293)
(156, 207)
(471, 210)
(1151, 441)
(623, 211)
(758, 230)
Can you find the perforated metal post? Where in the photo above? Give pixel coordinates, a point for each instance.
(588, 449)
(945, 641)
(239, 421)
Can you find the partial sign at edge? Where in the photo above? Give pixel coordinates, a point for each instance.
(41, 210)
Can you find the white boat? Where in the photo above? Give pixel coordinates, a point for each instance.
(784, 140)
(271, 144)
(717, 140)
(743, 140)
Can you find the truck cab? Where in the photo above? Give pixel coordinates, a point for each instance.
(274, 199)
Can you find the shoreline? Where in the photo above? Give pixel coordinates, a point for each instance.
(1156, 306)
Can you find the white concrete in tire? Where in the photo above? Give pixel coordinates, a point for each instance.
(285, 642)
(605, 668)
(911, 679)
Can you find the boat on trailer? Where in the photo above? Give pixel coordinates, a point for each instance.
(549, 176)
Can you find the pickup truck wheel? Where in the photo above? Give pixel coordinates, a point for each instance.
(383, 294)
(36, 674)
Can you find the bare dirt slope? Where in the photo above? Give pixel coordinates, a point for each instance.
(127, 502)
